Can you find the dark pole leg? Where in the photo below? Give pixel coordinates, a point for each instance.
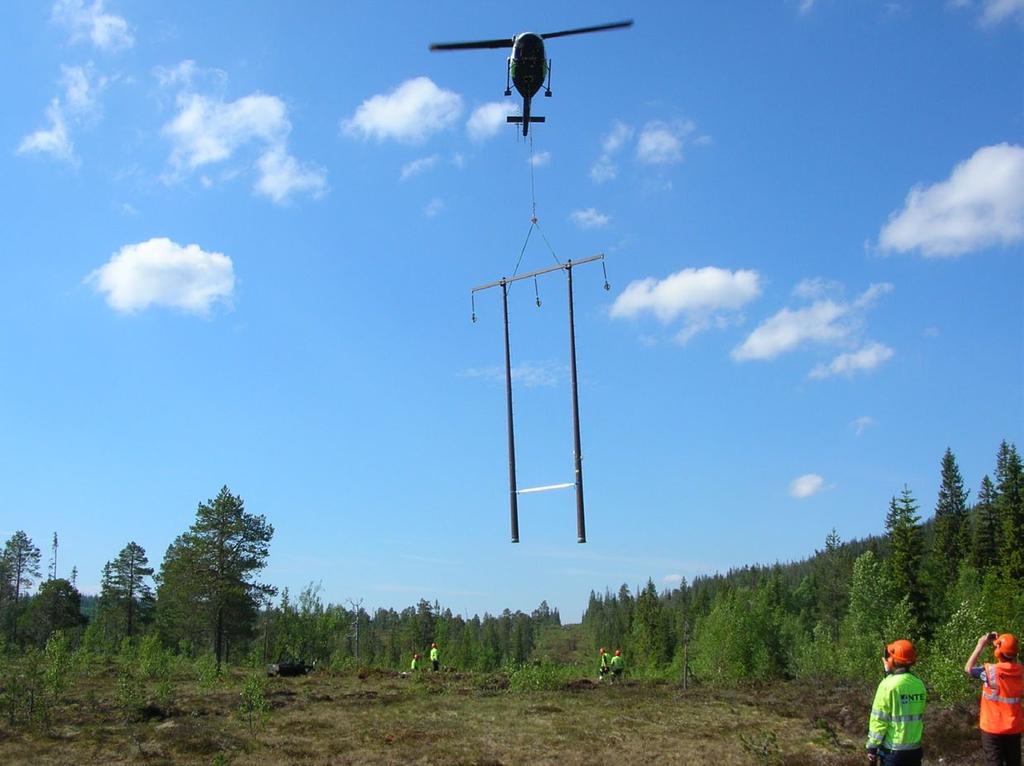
(513, 497)
(581, 526)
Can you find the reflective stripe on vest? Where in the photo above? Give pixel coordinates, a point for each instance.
(1001, 699)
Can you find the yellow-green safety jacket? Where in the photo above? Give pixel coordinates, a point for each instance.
(433, 655)
(897, 714)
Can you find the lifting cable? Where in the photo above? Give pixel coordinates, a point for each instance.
(534, 224)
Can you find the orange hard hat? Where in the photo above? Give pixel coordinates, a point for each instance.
(902, 652)
(618, 653)
(1005, 646)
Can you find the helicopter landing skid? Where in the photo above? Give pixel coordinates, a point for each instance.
(518, 119)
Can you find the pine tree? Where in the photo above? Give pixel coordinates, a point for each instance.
(1010, 510)
(21, 567)
(904, 563)
(985, 539)
(206, 579)
(124, 591)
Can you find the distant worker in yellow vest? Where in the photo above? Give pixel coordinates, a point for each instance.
(603, 666)
(1001, 719)
(415, 663)
(896, 723)
(435, 661)
(617, 665)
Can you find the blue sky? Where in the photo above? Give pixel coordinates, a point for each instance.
(238, 245)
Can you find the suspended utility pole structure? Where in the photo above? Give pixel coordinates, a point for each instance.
(514, 492)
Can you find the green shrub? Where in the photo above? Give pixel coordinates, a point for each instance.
(254, 708)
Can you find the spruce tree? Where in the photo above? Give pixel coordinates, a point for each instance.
(985, 538)
(1010, 510)
(950, 543)
(905, 552)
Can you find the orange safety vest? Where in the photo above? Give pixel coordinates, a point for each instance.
(1001, 699)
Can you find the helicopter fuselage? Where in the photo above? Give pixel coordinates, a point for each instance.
(528, 64)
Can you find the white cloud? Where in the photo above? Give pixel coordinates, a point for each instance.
(861, 424)
(418, 166)
(615, 139)
(160, 272)
(672, 579)
(660, 143)
(81, 89)
(816, 287)
(704, 298)
(409, 113)
(589, 218)
(486, 120)
(281, 175)
(604, 168)
(53, 140)
(433, 207)
(178, 76)
(993, 11)
(806, 6)
(807, 485)
(867, 358)
(209, 130)
(106, 31)
(824, 321)
(1001, 10)
(980, 205)
(540, 158)
(544, 374)
(688, 291)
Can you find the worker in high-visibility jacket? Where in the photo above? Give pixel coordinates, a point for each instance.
(1001, 718)
(617, 665)
(602, 668)
(415, 664)
(897, 714)
(435, 660)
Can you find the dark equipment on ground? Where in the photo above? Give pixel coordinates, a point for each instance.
(289, 668)
(528, 68)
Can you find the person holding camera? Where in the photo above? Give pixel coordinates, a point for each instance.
(1001, 718)
(896, 723)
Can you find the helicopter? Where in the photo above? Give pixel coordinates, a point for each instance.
(527, 68)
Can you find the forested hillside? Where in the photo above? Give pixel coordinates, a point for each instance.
(941, 583)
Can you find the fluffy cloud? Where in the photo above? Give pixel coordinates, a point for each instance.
(409, 113)
(160, 272)
(807, 485)
(281, 176)
(824, 321)
(82, 89)
(418, 166)
(540, 158)
(486, 120)
(704, 297)
(589, 218)
(209, 130)
(980, 205)
(863, 360)
(176, 76)
(53, 140)
(604, 168)
(661, 143)
(106, 31)
(672, 579)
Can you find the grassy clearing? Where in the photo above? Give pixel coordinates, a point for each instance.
(453, 718)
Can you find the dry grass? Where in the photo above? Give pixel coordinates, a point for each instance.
(383, 718)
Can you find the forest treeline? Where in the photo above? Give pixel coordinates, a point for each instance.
(941, 582)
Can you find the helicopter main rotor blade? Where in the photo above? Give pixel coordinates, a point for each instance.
(505, 42)
(582, 30)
